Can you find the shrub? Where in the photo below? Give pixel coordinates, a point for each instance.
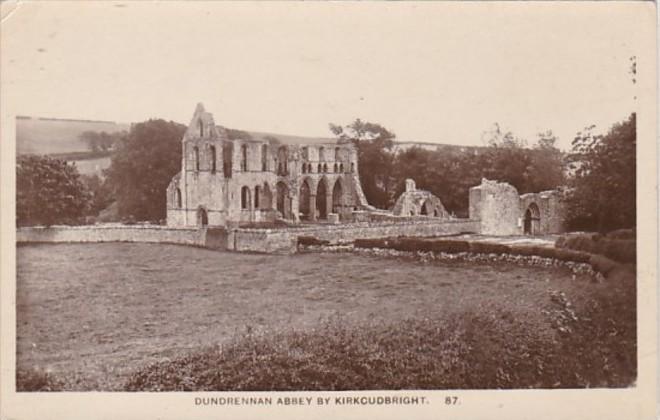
(310, 240)
(37, 380)
(450, 246)
(467, 350)
(371, 243)
(622, 234)
(621, 250)
(602, 264)
(489, 248)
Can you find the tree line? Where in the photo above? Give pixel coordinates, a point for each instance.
(597, 176)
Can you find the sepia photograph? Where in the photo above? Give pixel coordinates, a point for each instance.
(233, 206)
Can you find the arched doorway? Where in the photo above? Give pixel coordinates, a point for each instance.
(337, 197)
(303, 205)
(282, 195)
(425, 209)
(202, 217)
(532, 222)
(321, 200)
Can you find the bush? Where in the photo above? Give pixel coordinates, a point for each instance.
(489, 248)
(370, 243)
(310, 240)
(37, 380)
(464, 351)
(622, 234)
(621, 250)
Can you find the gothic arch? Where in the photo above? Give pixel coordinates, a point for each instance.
(304, 199)
(532, 220)
(322, 199)
(338, 196)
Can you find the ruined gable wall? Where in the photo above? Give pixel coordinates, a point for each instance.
(497, 205)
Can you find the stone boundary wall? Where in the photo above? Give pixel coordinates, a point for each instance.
(244, 240)
(115, 233)
(344, 233)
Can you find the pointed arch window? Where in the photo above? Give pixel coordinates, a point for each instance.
(213, 159)
(196, 157)
(244, 155)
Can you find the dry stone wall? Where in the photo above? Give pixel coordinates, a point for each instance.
(121, 233)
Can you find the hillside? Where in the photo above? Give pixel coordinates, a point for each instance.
(57, 136)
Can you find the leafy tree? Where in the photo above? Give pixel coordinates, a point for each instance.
(603, 193)
(49, 191)
(547, 166)
(100, 191)
(375, 159)
(144, 162)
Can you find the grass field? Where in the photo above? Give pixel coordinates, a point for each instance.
(94, 314)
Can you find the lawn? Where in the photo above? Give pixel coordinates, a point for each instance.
(92, 315)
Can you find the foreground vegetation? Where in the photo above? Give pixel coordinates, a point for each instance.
(593, 347)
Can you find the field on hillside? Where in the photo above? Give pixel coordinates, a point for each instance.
(57, 136)
(93, 314)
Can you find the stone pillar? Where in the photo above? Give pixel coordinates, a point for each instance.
(312, 207)
(328, 204)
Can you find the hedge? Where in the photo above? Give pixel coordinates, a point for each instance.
(310, 240)
(621, 250)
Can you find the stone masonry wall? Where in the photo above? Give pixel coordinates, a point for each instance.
(245, 240)
(156, 234)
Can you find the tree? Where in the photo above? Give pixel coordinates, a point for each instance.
(144, 162)
(375, 159)
(602, 195)
(49, 191)
(100, 192)
(546, 168)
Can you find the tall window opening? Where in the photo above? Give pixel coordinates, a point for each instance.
(245, 198)
(244, 154)
(227, 158)
(256, 197)
(200, 123)
(213, 159)
(196, 157)
(179, 204)
(264, 158)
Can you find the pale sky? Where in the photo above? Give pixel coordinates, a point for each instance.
(432, 72)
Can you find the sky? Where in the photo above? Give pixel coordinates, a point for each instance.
(430, 72)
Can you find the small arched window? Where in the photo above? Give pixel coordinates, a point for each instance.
(178, 198)
(304, 168)
(319, 169)
(244, 153)
(325, 168)
(352, 167)
(335, 168)
(264, 158)
(245, 198)
(213, 159)
(256, 197)
(341, 168)
(321, 153)
(196, 157)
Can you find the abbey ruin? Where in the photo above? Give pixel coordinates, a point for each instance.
(233, 183)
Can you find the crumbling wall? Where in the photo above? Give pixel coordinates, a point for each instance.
(414, 202)
(497, 206)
